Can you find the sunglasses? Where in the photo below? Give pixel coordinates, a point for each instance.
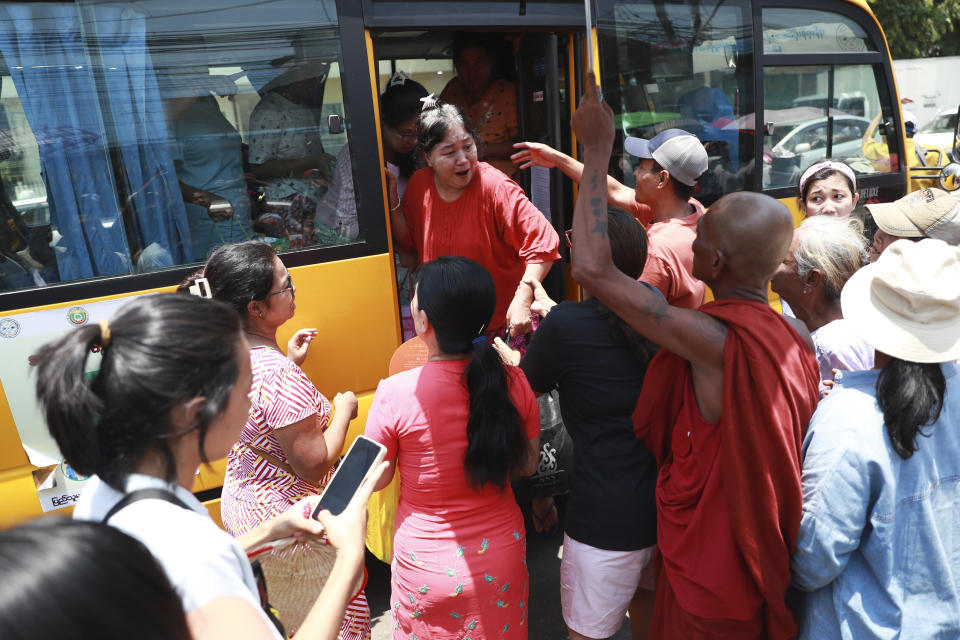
(568, 236)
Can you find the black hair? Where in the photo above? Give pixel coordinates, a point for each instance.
(435, 122)
(628, 248)
(73, 579)
(910, 394)
(240, 273)
(163, 350)
(682, 191)
(822, 174)
(398, 104)
(459, 297)
(464, 40)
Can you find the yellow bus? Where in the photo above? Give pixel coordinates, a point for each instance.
(115, 113)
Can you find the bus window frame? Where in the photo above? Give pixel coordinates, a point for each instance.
(880, 57)
(553, 15)
(355, 79)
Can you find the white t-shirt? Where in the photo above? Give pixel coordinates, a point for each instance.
(202, 561)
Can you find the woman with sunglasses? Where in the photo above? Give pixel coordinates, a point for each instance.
(293, 435)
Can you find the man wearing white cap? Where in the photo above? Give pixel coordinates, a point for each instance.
(670, 165)
(927, 213)
(877, 550)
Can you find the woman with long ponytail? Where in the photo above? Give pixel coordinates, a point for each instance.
(457, 428)
(170, 394)
(878, 550)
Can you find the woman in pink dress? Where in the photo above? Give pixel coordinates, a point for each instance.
(293, 434)
(457, 428)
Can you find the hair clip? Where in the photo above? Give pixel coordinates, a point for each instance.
(398, 79)
(429, 102)
(200, 288)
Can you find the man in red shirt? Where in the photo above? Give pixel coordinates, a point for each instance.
(669, 167)
(724, 406)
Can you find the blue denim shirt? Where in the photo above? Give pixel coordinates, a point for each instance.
(879, 544)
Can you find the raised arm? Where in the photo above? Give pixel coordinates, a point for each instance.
(690, 334)
(619, 195)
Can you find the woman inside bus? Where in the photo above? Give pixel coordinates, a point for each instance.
(293, 435)
(459, 206)
(828, 188)
(104, 584)
(286, 152)
(489, 102)
(457, 428)
(169, 395)
(825, 252)
(877, 547)
(399, 107)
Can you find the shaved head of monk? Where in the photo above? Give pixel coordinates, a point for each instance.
(740, 242)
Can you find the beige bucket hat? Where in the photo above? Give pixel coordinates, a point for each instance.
(917, 215)
(907, 303)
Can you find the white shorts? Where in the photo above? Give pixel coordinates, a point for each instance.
(596, 585)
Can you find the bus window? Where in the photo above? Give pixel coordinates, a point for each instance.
(789, 30)
(838, 107)
(684, 65)
(139, 138)
(432, 74)
(800, 130)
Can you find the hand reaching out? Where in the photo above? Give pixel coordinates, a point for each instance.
(535, 154)
(299, 344)
(508, 355)
(542, 302)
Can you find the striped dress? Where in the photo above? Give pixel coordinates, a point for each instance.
(260, 487)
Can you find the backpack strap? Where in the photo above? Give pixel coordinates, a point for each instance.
(144, 494)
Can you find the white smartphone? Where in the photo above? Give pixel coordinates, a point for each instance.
(362, 458)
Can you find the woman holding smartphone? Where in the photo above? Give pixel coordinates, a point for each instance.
(457, 428)
(293, 434)
(170, 394)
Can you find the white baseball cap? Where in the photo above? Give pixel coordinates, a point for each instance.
(676, 150)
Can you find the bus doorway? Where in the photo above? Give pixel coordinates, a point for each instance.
(533, 68)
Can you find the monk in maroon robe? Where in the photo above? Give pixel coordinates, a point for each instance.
(724, 407)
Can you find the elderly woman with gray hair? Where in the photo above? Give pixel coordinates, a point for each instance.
(825, 252)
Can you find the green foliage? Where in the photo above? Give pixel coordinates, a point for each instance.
(920, 28)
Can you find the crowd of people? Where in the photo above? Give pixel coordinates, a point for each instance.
(738, 472)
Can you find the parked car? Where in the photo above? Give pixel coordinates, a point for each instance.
(794, 146)
(939, 131)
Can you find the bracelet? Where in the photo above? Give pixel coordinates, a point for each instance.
(396, 207)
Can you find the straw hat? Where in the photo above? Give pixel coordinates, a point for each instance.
(907, 303)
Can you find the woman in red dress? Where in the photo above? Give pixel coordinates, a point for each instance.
(457, 428)
(457, 205)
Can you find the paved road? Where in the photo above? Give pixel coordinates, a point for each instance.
(546, 621)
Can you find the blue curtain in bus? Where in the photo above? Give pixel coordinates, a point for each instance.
(139, 131)
(44, 49)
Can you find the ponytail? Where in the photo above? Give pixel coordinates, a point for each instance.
(158, 352)
(910, 394)
(71, 403)
(495, 439)
(458, 296)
